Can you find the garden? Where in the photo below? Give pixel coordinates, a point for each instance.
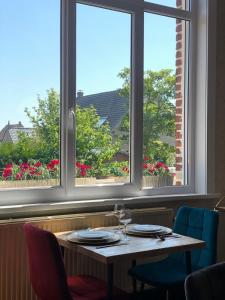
(35, 160)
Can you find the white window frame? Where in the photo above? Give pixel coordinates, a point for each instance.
(197, 119)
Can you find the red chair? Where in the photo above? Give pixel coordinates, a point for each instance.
(48, 276)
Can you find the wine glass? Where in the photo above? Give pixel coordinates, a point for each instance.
(125, 219)
(116, 212)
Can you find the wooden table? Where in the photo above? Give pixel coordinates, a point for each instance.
(137, 247)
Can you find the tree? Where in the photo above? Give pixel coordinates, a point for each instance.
(158, 111)
(45, 119)
(7, 153)
(94, 144)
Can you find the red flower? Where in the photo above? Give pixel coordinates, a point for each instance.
(19, 176)
(145, 166)
(51, 165)
(38, 164)
(55, 162)
(85, 167)
(152, 170)
(77, 164)
(83, 172)
(82, 168)
(125, 169)
(9, 166)
(160, 165)
(32, 171)
(7, 172)
(24, 166)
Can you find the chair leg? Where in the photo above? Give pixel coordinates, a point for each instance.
(134, 283)
(142, 286)
(167, 295)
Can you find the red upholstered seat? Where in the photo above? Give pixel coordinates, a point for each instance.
(48, 276)
(89, 288)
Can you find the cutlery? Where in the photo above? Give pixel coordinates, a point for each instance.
(163, 237)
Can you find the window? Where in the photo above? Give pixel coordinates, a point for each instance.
(29, 77)
(127, 101)
(102, 105)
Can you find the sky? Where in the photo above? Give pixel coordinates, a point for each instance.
(30, 51)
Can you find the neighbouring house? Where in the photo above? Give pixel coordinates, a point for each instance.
(111, 106)
(10, 133)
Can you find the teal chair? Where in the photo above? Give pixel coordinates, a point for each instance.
(170, 273)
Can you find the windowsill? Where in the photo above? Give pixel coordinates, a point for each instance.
(59, 208)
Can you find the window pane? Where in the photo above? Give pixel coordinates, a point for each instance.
(181, 4)
(102, 103)
(29, 84)
(164, 89)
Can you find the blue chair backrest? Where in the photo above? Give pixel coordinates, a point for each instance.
(199, 223)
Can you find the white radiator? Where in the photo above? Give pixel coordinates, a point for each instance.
(14, 278)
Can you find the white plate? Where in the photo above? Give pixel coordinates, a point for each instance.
(148, 230)
(96, 234)
(112, 239)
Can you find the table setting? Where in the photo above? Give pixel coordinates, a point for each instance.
(121, 234)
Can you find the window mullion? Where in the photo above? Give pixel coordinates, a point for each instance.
(167, 11)
(137, 87)
(68, 88)
(121, 5)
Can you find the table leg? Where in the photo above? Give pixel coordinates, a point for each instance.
(188, 262)
(110, 281)
(134, 281)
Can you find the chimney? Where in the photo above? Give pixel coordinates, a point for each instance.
(80, 93)
(20, 124)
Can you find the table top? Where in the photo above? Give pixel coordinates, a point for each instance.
(137, 247)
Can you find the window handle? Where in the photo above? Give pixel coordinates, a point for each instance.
(72, 117)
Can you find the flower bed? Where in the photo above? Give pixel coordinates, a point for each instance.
(156, 174)
(35, 173)
(6, 184)
(32, 170)
(157, 181)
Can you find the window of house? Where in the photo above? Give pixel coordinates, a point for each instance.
(109, 113)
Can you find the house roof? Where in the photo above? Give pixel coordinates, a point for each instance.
(10, 132)
(109, 105)
(5, 130)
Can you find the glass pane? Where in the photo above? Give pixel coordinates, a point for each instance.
(102, 106)
(181, 4)
(163, 127)
(29, 84)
